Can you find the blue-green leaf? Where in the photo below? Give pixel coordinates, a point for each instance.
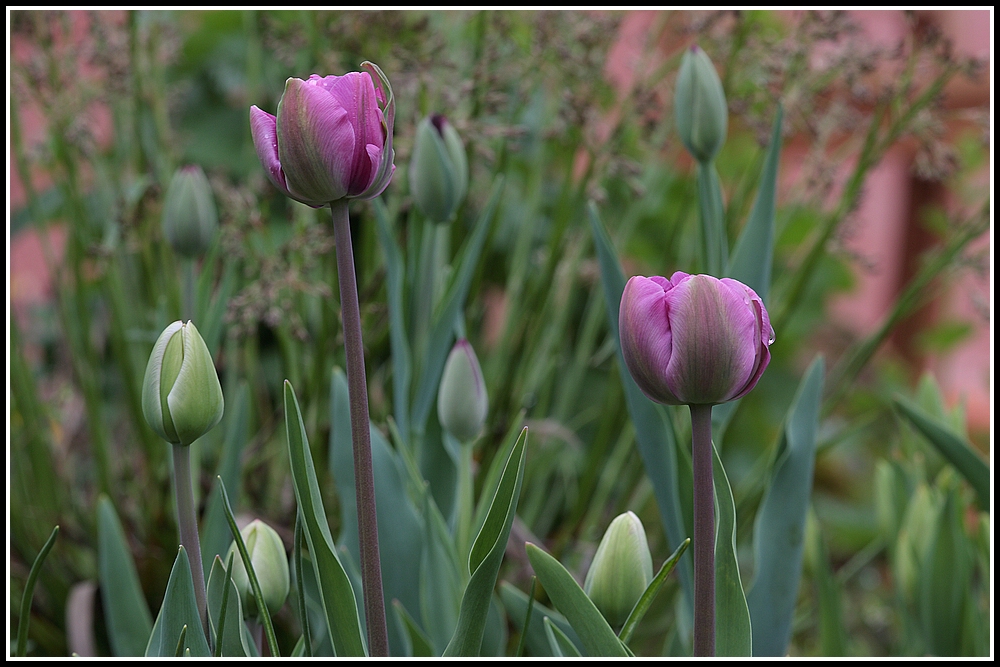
(779, 532)
(440, 579)
(486, 555)
(125, 612)
(751, 260)
(395, 271)
(400, 528)
(953, 447)
(599, 640)
(232, 641)
(336, 593)
(516, 602)
(732, 618)
(420, 645)
(646, 599)
(654, 432)
(179, 609)
(561, 645)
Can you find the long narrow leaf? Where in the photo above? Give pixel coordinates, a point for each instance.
(779, 532)
(336, 594)
(752, 257)
(599, 640)
(516, 603)
(125, 610)
(953, 447)
(732, 618)
(654, 431)
(561, 645)
(225, 611)
(486, 555)
(647, 597)
(29, 591)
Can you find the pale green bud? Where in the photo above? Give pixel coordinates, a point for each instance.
(190, 219)
(181, 395)
(439, 171)
(700, 106)
(621, 570)
(462, 400)
(270, 564)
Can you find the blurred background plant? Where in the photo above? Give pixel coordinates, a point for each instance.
(568, 106)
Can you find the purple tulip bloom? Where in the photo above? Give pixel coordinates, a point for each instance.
(693, 340)
(331, 139)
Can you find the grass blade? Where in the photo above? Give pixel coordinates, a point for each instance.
(29, 591)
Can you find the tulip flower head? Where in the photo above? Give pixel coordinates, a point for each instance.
(331, 138)
(700, 109)
(462, 400)
(439, 171)
(181, 394)
(693, 340)
(270, 564)
(190, 219)
(621, 570)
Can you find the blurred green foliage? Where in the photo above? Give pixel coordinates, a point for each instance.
(528, 93)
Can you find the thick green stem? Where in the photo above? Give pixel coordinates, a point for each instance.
(189, 304)
(704, 531)
(364, 480)
(188, 524)
(463, 523)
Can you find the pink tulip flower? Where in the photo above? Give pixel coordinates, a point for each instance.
(693, 340)
(331, 139)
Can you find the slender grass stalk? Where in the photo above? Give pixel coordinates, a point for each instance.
(188, 524)
(29, 591)
(364, 479)
(704, 531)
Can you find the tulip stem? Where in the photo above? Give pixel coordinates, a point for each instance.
(364, 480)
(463, 528)
(704, 531)
(188, 524)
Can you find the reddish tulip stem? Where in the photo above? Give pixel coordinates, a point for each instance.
(704, 531)
(364, 478)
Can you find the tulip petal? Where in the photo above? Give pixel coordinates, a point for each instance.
(197, 393)
(263, 129)
(316, 142)
(714, 341)
(646, 336)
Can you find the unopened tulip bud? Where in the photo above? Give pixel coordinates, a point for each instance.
(462, 400)
(439, 171)
(621, 570)
(181, 395)
(270, 564)
(190, 219)
(700, 106)
(331, 138)
(693, 340)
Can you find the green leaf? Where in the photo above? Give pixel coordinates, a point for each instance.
(440, 579)
(29, 592)
(779, 532)
(442, 335)
(832, 635)
(215, 538)
(225, 613)
(945, 579)
(486, 555)
(732, 618)
(599, 640)
(264, 615)
(125, 611)
(420, 645)
(395, 272)
(516, 603)
(953, 447)
(654, 432)
(400, 527)
(179, 609)
(752, 257)
(561, 645)
(646, 599)
(336, 593)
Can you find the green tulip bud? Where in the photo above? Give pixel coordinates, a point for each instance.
(270, 564)
(181, 395)
(621, 570)
(439, 171)
(700, 106)
(462, 400)
(189, 218)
